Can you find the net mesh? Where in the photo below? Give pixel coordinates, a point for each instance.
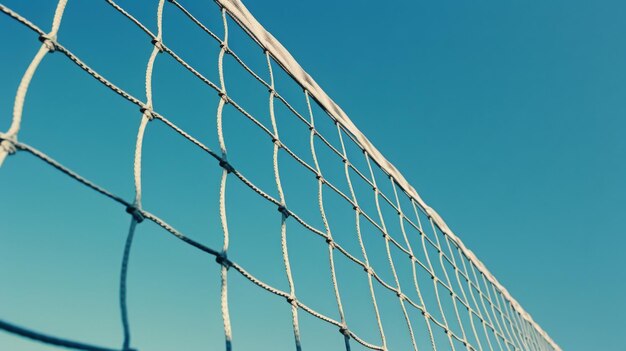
(456, 306)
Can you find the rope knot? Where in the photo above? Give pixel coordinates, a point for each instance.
(8, 144)
(147, 111)
(227, 166)
(224, 97)
(48, 41)
(158, 44)
(135, 212)
(344, 330)
(277, 142)
(400, 295)
(330, 242)
(291, 299)
(223, 260)
(368, 270)
(282, 209)
(224, 46)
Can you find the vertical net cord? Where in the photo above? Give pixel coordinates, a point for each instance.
(330, 242)
(529, 334)
(466, 301)
(434, 278)
(503, 327)
(507, 325)
(283, 210)
(514, 328)
(505, 318)
(223, 260)
(386, 237)
(135, 210)
(524, 333)
(452, 294)
(123, 279)
(518, 328)
(477, 307)
(511, 321)
(413, 267)
(7, 144)
(357, 212)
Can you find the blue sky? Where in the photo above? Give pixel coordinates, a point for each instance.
(508, 118)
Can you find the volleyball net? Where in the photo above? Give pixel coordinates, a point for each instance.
(446, 298)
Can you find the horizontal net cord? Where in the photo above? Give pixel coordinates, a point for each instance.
(144, 214)
(245, 19)
(50, 340)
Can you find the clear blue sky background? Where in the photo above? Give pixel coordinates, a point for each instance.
(508, 118)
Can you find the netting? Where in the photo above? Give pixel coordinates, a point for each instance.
(444, 297)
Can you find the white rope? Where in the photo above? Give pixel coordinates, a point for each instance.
(283, 210)
(447, 280)
(223, 260)
(146, 116)
(47, 46)
(387, 238)
(413, 268)
(329, 241)
(368, 269)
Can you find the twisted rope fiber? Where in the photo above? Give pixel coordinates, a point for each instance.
(227, 168)
(524, 334)
(330, 242)
(136, 218)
